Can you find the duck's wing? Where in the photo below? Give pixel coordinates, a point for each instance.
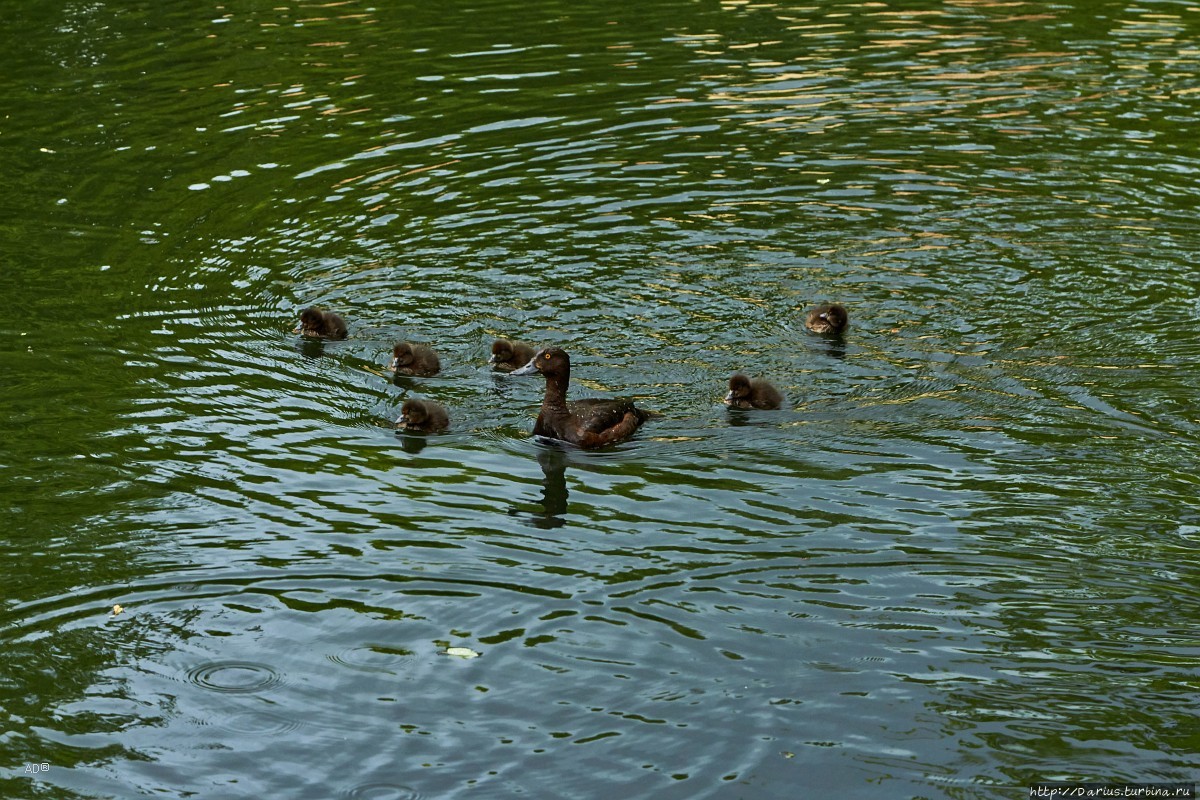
(605, 421)
(597, 414)
(623, 428)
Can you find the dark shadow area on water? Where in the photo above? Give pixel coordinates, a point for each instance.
(311, 348)
(832, 345)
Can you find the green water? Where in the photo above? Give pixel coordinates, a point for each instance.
(961, 560)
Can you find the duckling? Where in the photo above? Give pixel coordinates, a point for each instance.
(746, 393)
(585, 423)
(508, 355)
(414, 359)
(318, 324)
(827, 318)
(423, 415)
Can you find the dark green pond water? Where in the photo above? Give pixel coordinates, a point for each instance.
(962, 559)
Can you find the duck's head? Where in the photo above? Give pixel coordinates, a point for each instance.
(502, 350)
(311, 320)
(739, 387)
(548, 361)
(413, 413)
(402, 355)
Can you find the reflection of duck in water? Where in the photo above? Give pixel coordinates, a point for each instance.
(552, 457)
(414, 359)
(828, 318)
(746, 393)
(423, 416)
(585, 423)
(318, 324)
(508, 355)
(554, 484)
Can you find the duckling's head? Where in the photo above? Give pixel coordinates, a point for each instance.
(402, 355)
(413, 414)
(502, 350)
(739, 388)
(311, 320)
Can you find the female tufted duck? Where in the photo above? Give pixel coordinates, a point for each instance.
(423, 415)
(508, 355)
(746, 393)
(827, 318)
(319, 324)
(585, 423)
(414, 359)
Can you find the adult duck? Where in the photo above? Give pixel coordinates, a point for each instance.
(584, 423)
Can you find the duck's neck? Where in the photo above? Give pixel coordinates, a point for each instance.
(554, 402)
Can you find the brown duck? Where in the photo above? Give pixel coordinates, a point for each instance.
(827, 318)
(508, 355)
(318, 324)
(414, 359)
(747, 393)
(584, 423)
(423, 415)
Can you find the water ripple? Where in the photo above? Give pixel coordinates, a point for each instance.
(234, 676)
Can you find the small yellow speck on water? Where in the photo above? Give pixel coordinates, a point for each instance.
(117, 610)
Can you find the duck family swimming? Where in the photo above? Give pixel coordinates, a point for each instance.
(588, 423)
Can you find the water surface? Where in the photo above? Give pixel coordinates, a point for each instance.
(960, 561)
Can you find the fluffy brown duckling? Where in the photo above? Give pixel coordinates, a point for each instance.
(424, 416)
(508, 355)
(827, 318)
(318, 324)
(746, 393)
(584, 423)
(414, 359)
